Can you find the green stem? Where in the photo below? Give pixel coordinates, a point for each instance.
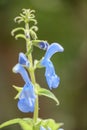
(31, 70)
(35, 116)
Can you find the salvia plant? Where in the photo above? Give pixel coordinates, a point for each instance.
(28, 95)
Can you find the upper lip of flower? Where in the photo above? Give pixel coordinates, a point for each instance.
(52, 49)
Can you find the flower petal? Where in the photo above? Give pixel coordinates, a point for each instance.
(18, 68)
(27, 98)
(23, 59)
(24, 107)
(52, 49)
(52, 79)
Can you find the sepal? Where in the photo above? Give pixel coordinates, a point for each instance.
(18, 89)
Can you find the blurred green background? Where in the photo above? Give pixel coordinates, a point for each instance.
(62, 21)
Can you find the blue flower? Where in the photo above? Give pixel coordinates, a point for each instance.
(52, 79)
(27, 96)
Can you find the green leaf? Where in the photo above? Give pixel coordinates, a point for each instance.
(26, 125)
(48, 93)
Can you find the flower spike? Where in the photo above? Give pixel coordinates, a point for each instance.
(28, 95)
